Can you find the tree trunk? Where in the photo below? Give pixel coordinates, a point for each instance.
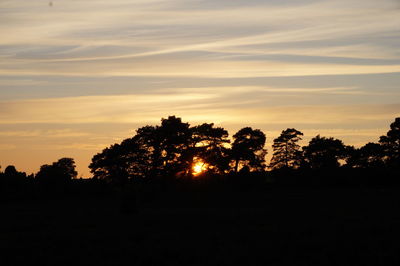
(236, 165)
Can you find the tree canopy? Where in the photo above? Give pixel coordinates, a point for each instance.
(209, 146)
(58, 172)
(248, 149)
(391, 144)
(174, 148)
(287, 150)
(368, 156)
(323, 152)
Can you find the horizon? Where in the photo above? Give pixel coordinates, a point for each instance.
(78, 76)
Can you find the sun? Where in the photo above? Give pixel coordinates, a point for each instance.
(198, 168)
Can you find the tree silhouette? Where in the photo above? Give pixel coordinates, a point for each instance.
(368, 156)
(66, 167)
(122, 161)
(149, 139)
(323, 152)
(110, 165)
(12, 176)
(391, 144)
(208, 144)
(286, 150)
(175, 139)
(172, 148)
(10, 171)
(153, 151)
(248, 149)
(59, 172)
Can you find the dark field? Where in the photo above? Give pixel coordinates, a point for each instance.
(279, 226)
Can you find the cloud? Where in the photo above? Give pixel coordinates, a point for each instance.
(163, 27)
(61, 133)
(193, 106)
(198, 38)
(171, 67)
(96, 109)
(65, 69)
(79, 146)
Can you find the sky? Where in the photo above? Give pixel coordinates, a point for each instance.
(77, 76)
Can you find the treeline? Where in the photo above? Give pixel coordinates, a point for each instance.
(57, 179)
(175, 151)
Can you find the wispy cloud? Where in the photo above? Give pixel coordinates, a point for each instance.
(193, 106)
(61, 133)
(185, 68)
(96, 109)
(329, 65)
(98, 30)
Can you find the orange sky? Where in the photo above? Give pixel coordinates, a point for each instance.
(77, 76)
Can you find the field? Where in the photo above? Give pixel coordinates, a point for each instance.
(279, 226)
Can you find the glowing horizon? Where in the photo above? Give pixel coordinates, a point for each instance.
(77, 76)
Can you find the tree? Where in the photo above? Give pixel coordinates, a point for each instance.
(66, 168)
(368, 156)
(149, 140)
(175, 139)
(391, 144)
(61, 171)
(286, 150)
(322, 152)
(107, 165)
(153, 151)
(120, 162)
(248, 149)
(208, 145)
(10, 171)
(12, 176)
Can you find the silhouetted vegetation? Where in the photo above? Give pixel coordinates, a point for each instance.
(324, 153)
(248, 150)
(61, 171)
(176, 152)
(180, 194)
(391, 145)
(287, 150)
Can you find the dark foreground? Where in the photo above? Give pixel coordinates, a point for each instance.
(280, 226)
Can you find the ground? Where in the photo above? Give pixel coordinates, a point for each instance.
(280, 226)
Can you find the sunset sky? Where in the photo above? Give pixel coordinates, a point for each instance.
(77, 76)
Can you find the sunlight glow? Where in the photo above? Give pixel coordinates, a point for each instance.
(199, 167)
(76, 76)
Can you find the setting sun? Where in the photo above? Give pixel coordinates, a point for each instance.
(199, 167)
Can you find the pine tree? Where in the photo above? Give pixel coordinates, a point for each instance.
(286, 150)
